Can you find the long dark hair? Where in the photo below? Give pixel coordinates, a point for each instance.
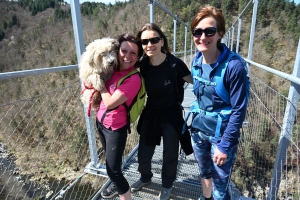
(153, 27)
(130, 38)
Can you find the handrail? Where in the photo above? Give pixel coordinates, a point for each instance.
(286, 76)
(24, 73)
(167, 11)
(246, 7)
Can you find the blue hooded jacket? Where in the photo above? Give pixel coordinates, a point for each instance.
(235, 82)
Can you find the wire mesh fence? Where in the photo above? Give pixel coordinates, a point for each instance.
(43, 139)
(44, 145)
(259, 144)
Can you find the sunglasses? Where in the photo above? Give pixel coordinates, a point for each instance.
(154, 40)
(209, 32)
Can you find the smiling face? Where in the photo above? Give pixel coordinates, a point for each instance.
(152, 49)
(206, 44)
(128, 55)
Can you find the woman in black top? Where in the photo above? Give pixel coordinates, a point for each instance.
(162, 115)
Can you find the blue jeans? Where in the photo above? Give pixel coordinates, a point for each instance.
(204, 147)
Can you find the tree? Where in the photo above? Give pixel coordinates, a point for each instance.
(2, 34)
(292, 23)
(13, 21)
(270, 44)
(280, 22)
(4, 25)
(262, 10)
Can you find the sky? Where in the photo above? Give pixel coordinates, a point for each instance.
(103, 1)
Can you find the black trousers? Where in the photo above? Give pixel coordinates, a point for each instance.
(113, 142)
(170, 155)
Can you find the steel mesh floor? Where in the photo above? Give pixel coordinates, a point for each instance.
(187, 185)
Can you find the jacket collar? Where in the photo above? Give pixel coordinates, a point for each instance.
(197, 62)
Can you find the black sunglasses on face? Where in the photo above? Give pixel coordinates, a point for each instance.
(154, 40)
(209, 32)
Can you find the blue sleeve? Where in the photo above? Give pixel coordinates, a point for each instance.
(236, 77)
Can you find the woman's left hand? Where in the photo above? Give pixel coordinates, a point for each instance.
(219, 157)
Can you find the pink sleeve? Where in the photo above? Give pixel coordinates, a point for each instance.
(130, 87)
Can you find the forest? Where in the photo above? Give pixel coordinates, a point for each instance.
(38, 34)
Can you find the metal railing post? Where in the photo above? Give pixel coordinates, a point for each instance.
(174, 38)
(228, 39)
(79, 41)
(151, 4)
(185, 38)
(172, 15)
(253, 23)
(286, 131)
(238, 35)
(232, 38)
(191, 59)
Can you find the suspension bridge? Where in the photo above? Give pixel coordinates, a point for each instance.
(49, 148)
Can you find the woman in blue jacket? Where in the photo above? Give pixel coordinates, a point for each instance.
(215, 145)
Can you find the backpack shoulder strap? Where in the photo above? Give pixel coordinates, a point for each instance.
(195, 73)
(127, 76)
(119, 83)
(135, 71)
(219, 77)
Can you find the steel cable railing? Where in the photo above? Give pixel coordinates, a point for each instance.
(44, 143)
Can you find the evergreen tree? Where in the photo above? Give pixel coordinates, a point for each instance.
(13, 21)
(2, 34)
(292, 24)
(289, 7)
(280, 23)
(4, 25)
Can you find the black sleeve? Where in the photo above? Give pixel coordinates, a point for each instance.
(143, 66)
(182, 69)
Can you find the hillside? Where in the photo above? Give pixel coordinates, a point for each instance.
(45, 40)
(40, 39)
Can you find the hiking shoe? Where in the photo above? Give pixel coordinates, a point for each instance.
(138, 185)
(165, 193)
(109, 192)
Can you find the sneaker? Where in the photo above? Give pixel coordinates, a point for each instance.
(165, 193)
(138, 185)
(109, 192)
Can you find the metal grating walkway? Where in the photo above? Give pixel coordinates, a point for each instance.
(187, 185)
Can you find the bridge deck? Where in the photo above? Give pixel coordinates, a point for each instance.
(187, 184)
